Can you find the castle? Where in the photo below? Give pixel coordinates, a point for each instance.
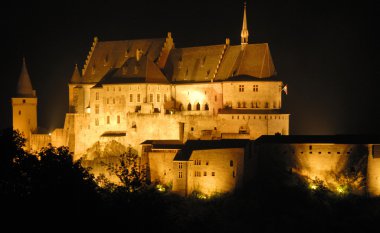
(173, 105)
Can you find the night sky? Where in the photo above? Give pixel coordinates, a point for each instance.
(324, 50)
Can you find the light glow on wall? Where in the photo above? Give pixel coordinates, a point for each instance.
(196, 97)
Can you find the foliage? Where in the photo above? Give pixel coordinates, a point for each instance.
(129, 172)
(44, 182)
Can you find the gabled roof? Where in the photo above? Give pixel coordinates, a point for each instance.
(255, 60)
(194, 64)
(191, 145)
(135, 71)
(113, 54)
(328, 139)
(201, 64)
(24, 85)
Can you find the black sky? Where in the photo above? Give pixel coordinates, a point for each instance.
(326, 51)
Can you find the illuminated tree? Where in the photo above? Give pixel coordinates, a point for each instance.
(129, 172)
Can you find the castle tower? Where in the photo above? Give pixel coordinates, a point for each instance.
(244, 30)
(24, 106)
(76, 92)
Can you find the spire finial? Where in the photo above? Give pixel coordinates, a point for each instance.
(244, 30)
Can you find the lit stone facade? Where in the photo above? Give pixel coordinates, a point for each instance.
(337, 160)
(193, 114)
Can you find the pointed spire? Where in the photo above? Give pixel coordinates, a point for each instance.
(76, 78)
(24, 86)
(244, 30)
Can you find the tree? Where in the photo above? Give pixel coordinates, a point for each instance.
(129, 172)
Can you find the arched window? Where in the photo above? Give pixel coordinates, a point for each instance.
(238, 105)
(206, 107)
(189, 107)
(198, 107)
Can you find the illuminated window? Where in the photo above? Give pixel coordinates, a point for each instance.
(255, 88)
(179, 174)
(118, 119)
(231, 163)
(130, 97)
(180, 165)
(158, 98)
(138, 98)
(108, 120)
(96, 108)
(241, 88)
(151, 98)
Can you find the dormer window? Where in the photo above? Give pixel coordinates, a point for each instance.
(124, 70)
(126, 53)
(106, 60)
(180, 63)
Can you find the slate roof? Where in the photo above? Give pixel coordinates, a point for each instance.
(24, 85)
(328, 139)
(191, 145)
(133, 71)
(76, 77)
(193, 64)
(113, 54)
(164, 144)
